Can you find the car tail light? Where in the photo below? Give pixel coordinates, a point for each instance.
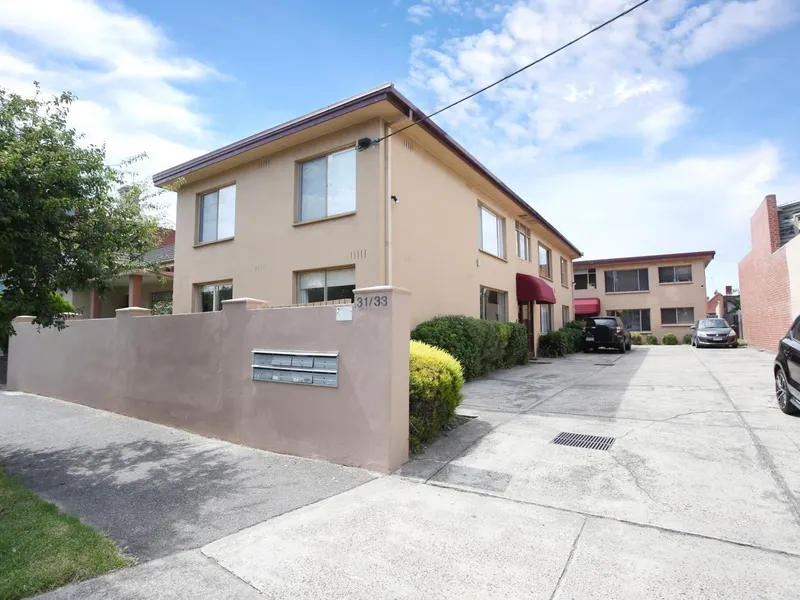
(585, 329)
(619, 329)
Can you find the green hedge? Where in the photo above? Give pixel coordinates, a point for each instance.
(687, 339)
(669, 339)
(636, 339)
(434, 388)
(553, 344)
(652, 339)
(480, 346)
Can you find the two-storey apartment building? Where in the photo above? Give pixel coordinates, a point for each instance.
(304, 212)
(652, 294)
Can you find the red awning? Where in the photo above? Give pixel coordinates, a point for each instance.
(587, 306)
(533, 289)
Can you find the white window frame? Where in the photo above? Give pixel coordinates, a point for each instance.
(676, 309)
(501, 231)
(549, 265)
(618, 313)
(638, 280)
(201, 213)
(564, 264)
(326, 158)
(589, 273)
(502, 303)
(565, 314)
(325, 272)
(675, 274)
(546, 326)
(523, 238)
(216, 300)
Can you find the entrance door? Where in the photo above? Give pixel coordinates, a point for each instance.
(526, 316)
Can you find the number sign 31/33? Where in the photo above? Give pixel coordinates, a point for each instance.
(377, 301)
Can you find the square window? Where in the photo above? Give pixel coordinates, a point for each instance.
(210, 296)
(327, 186)
(492, 232)
(523, 242)
(323, 286)
(217, 214)
(494, 305)
(545, 262)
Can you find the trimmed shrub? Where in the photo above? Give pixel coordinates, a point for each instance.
(579, 325)
(652, 339)
(553, 344)
(480, 346)
(573, 339)
(636, 339)
(669, 339)
(741, 342)
(161, 307)
(516, 351)
(687, 339)
(434, 388)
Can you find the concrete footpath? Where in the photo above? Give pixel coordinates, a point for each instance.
(696, 498)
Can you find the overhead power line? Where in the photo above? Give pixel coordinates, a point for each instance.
(363, 145)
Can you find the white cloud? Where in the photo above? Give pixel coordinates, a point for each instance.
(624, 81)
(124, 70)
(698, 202)
(418, 12)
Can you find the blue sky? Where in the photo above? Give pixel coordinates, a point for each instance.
(677, 119)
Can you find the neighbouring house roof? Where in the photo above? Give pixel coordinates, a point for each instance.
(386, 92)
(709, 254)
(711, 303)
(165, 254)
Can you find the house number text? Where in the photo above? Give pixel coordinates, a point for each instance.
(372, 301)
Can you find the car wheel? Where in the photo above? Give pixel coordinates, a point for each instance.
(782, 393)
(586, 349)
(622, 348)
(630, 346)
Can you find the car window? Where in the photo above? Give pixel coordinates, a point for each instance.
(713, 324)
(796, 329)
(605, 322)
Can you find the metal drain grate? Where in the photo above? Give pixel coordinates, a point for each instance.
(581, 440)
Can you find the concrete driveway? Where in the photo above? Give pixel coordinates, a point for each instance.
(696, 498)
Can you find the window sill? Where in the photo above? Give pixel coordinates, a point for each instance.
(519, 257)
(622, 293)
(492, 255)
(676, 283)
(212, 242)
(323, 219)
(545, 277)
(677, 325)
(565, 286)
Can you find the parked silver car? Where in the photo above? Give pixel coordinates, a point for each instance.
(713, 332)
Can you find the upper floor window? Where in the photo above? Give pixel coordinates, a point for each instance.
(545, 262)
(630, 280)
(585, 279)
(674, 274)
(217, 214)
(523, 242)
(328, 186)
(564, 272)
(492, 232)
(210, 297)
(321, 286)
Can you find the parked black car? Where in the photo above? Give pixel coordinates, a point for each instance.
(713, 332)
(787, 371)
(606, 332)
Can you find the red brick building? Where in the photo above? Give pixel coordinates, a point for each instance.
(769, 276)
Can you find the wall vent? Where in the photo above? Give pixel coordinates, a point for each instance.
(358, 254)
(408, 144)
(263, 163)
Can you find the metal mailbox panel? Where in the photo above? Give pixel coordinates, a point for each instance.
(304, 368)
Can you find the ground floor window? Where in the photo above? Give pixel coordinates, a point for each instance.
(494, 305)
(165, 296)
(677, 316)
(564, 315)
(210, 296)
(321, 286)
(546, 317)
(637, 319)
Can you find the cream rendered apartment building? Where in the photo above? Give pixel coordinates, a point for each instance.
(298, 214)
(652, 294)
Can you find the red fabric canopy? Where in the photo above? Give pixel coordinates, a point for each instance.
(587, 306)
(530, 289)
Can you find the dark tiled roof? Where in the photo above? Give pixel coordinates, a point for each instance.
(161, 255)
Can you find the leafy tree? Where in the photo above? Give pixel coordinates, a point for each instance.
(67, 219)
